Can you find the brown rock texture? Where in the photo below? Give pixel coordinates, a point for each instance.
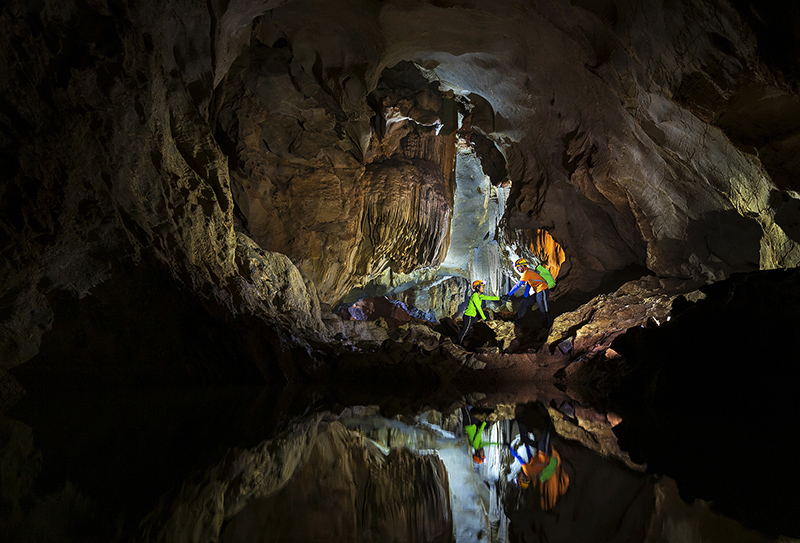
(328, 134)
(110, 161)
(319, 178)
(187, 188)
(593, 326)
(345, 487)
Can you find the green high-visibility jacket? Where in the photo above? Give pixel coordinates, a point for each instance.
(474, 306)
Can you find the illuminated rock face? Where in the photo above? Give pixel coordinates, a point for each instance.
(185, 185)
(645, 176)
(344, 198)
(474, 250)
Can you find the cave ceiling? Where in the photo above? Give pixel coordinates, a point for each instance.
(269, 154)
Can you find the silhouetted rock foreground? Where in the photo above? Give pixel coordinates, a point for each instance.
(710, 398)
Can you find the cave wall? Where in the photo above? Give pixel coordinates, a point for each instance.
(210, 137)
(630, 148)
(231, 166)
(640, 176)
(711, 387)
(109, 161)
(345, 181)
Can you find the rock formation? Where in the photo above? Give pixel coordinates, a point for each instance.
(190, 188)
(172, 133)
(717, 362)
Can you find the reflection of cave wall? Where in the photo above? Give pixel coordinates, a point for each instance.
(348, 491)
(315, 481)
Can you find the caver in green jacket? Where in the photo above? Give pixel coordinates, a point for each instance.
(474, 306)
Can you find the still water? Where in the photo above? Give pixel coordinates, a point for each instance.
(120, 465)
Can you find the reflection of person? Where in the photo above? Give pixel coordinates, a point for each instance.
(541, 467)
(474, 308)
(539, 282)
(475, 435)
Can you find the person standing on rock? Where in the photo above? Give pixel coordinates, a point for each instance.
(474, 308)
(540, 282)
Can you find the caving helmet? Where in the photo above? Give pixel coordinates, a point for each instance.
(523, 481)
(520, 262)
(477, 284)
(478, 457)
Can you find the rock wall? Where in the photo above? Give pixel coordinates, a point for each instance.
(199, 138)
(635, 177)
(349, 184)
(109, 161)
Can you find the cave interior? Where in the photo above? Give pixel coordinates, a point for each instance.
(238, 237)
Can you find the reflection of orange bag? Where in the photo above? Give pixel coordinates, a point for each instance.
(546, 494)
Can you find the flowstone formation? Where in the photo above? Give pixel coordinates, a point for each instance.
(346, 191)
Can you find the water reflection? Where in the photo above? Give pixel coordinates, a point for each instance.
(243, 465)
(474, 497)
(479, 489)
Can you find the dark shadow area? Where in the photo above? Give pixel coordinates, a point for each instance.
(480, 335)
(711, 399)
(728, 236)
(604, 501)
(142, 328)
(122, 449)
(776, 26)
(133, 389)
(787, 214)
(492, 160)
